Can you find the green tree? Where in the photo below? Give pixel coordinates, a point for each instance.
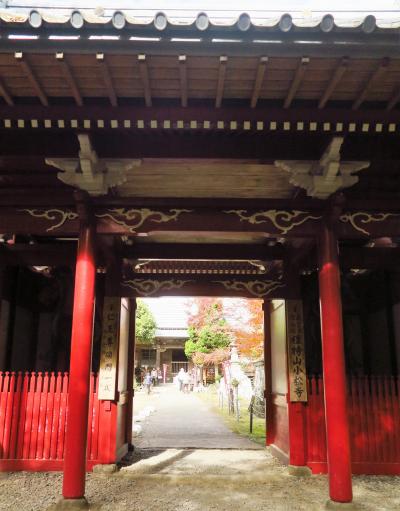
(145, 324)
(209, 331)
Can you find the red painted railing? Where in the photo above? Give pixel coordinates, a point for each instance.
(33, 421)
(374, 413)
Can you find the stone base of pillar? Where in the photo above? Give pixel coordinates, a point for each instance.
(105, 469)
(345, 506)
(70, 504)
(299, 471)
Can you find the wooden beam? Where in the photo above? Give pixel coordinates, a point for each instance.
(298, 77)
(144, 75)
(393, 100)
(196, 251)
(333, 82)
(221, 80)
(262, 65)
(183, 76)
(376, 75)
(107, 79)
(6, 95)
(25, 66)
(69, 77)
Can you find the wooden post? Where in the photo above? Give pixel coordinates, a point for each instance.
(267, 371)
(79, 381)
(336, 418)
(131, 368)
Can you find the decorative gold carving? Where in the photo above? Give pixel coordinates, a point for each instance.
(284, 221)
(109, 348)
(296, 355)
(363, 217)
(147, 287)
(259, 288)
(131, 219)
(58, 215)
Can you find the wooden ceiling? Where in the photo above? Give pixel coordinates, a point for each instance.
(84, 78)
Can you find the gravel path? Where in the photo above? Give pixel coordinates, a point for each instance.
(197, 480)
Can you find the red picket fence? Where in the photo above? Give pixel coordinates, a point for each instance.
(33, 416)
(374, 414)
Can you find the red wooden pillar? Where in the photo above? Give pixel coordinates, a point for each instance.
(131, 367)
(269, 435)
(80, 362)
(336, 418)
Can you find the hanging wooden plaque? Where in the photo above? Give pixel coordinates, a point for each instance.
(109, 348)
(296, 355)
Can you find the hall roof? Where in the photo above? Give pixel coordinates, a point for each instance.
(205, 13)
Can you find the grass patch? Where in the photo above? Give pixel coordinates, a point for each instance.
(241, 427)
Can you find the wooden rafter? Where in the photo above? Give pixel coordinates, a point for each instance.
(221, 80)
(262, 64)
(107, 79)
(69, 77)
(183, 76)
(298, 77)
(6, 95)
(376, 75)
(393, 100)
(25, 66)
(144, 75)
(333, 82)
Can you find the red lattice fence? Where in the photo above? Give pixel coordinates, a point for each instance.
(33, 412)
(374, 415)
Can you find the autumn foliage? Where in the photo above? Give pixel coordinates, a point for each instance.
(241, 319)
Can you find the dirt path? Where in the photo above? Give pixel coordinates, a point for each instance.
(183, 420)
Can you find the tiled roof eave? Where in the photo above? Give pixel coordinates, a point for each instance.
(383, 19)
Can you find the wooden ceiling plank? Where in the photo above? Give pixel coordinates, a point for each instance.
(376, 75)
(26, 68)
(107, 79)
(336, 77)
(262, 65)
(144, 75)
(221, 80)
(393, 100)
(298, 77)
(183, 76)
(69, 77)
(6, 95)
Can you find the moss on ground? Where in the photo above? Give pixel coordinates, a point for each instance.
(241, 427)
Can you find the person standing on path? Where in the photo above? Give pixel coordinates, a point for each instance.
(147, 382)
(154, 376)
(180, 378)
(186, 382)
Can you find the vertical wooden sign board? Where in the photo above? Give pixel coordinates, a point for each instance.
(295, 346)
(109, 348)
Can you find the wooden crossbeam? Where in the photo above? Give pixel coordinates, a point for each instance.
(376, 75)
(183, 76)
(69, 77)
(107, 79)
(262, 65)
(25, 66)
(298, 77)
(144, 75)
(333, 82)
(196, 251)
(393, 100)
(6, 95)
(221, 80)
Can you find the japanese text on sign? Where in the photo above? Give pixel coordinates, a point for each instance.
(296, 358)
(109, 348)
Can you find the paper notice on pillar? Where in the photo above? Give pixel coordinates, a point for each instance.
(295, 346)
(109, 348)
